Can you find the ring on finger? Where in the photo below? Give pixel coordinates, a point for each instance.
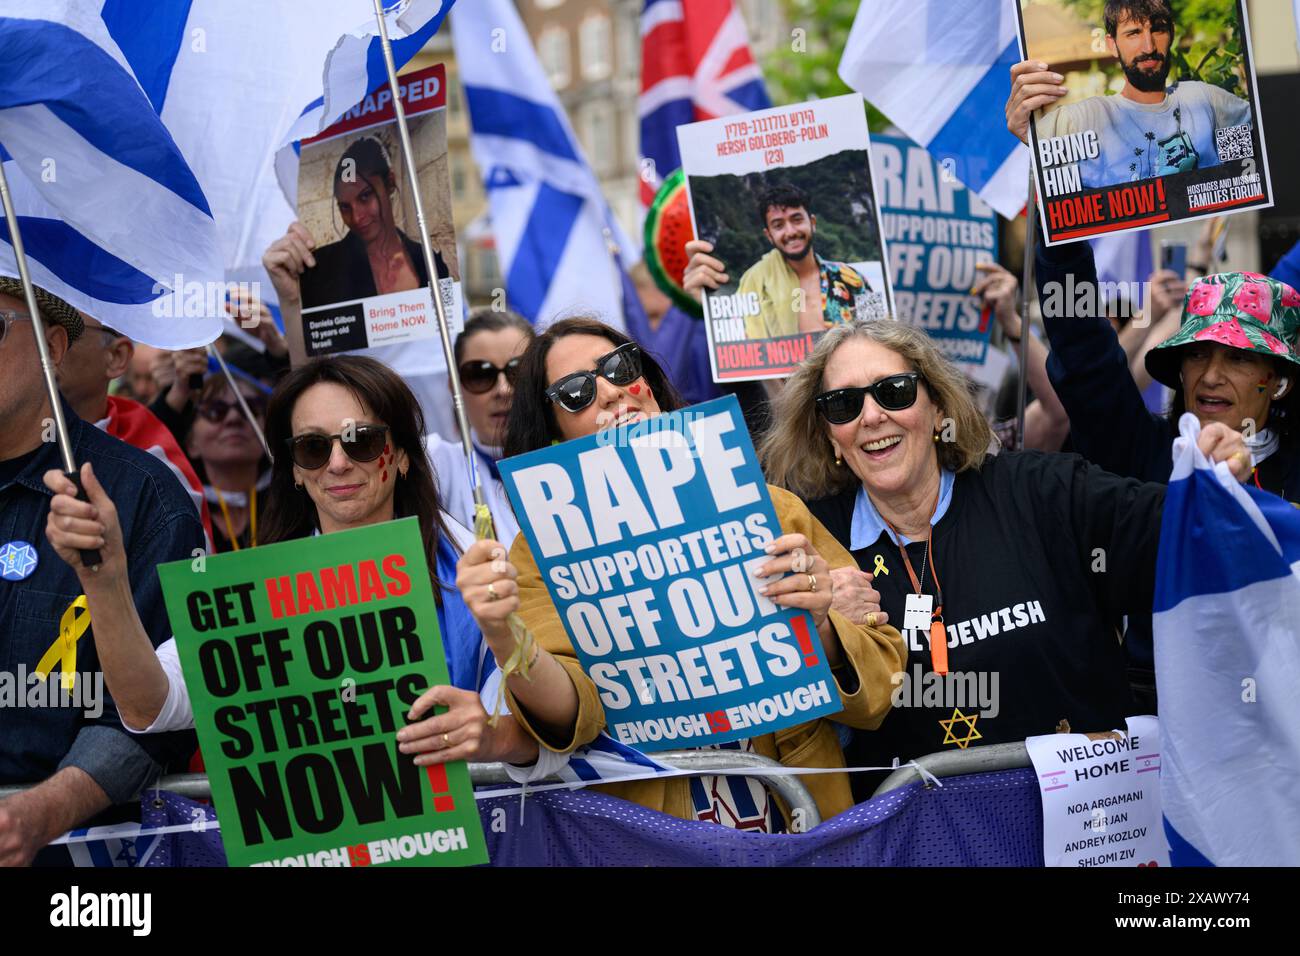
(492, 592)
(445, 742)
(812, 582)
(871, 619)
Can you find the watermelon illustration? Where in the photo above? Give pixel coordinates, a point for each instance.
(1275, 344)
(1204, 298)
(1225, 333)
(667, 230)
(1290, 298)
(1255, 298)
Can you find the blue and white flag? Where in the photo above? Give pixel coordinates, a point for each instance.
(109, 209)
(100, 236)
(1227, 641)
(554, 231)
(941, 72)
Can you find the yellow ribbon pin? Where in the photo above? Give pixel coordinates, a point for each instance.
(880, 566)
(63, 652)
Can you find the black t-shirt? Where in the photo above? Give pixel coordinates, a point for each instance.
(1039, 558)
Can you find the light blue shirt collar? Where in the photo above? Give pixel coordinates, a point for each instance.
(868, 525)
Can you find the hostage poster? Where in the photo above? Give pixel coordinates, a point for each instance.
(302, 659)
(648, 537)
(370, 284)
(786, 197)
(1161, 120)
(938, 231)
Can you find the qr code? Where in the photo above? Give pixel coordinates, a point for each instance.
(1234, 142)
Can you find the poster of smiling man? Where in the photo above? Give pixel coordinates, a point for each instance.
(1157, 116)
(786, 198)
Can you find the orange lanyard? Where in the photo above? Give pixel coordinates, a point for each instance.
(252, 518)
(938, 634)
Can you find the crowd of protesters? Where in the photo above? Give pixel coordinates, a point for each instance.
(876, 452)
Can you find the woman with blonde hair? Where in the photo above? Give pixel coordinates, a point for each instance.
(1007, 574)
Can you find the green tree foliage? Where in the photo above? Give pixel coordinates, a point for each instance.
(806, 67)
(726, 213)
(1207, 41)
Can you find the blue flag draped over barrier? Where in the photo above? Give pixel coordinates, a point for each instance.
(985, 819)
(1227, 639)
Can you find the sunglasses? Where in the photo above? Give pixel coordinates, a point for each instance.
(893, 393)
(216, 409)
(481, 377)
(8, 318)
(365, 443)
(575, 392)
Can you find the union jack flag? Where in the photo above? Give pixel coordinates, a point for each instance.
(695, 65)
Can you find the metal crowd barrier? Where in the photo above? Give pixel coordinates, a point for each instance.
(957, 763)
(696, 762)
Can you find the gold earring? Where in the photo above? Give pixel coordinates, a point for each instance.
(936, 436)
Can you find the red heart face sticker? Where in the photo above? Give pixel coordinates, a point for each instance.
(634, 389)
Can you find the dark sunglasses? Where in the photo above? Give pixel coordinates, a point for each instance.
(216, 409)
(893, 393)
(575, 392)
(481, 377)
(365, 443)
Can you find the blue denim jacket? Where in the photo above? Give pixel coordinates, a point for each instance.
(159, 524)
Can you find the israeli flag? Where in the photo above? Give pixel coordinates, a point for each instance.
(941, 72)
(556, 239)
(138, 140)
(109, 209)
(1227, 643)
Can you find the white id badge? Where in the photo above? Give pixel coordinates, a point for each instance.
(918, 612)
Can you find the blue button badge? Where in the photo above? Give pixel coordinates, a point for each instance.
(17, 561)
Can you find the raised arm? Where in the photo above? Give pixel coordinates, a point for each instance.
(135, 677)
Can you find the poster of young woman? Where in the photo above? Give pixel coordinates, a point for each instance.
(370, 284)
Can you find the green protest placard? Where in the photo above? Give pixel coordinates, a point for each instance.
(302, 659)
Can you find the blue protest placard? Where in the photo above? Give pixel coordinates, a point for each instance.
(648, 537)
(937, 231)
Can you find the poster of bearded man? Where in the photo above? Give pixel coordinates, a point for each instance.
(1156, 118)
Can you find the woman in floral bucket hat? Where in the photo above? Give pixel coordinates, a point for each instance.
(1233, 360)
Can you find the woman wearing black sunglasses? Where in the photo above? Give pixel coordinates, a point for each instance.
(577, 378)
(1018, 567)
(348, 432)
(487, 353)
(230, 462)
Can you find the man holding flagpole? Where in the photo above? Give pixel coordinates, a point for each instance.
(62, 732)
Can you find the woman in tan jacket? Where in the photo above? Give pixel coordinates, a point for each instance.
(581, 376)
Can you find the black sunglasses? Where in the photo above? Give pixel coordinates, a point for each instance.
(576, 391)
(364, 443)
(481, 376)
(892, 393)
(216, 409)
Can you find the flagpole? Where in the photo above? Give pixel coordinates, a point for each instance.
(239, 397)
(453, 374)
(89, 558)
(1027, 280)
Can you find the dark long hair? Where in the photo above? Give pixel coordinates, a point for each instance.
(290, 512)
(532, 424)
